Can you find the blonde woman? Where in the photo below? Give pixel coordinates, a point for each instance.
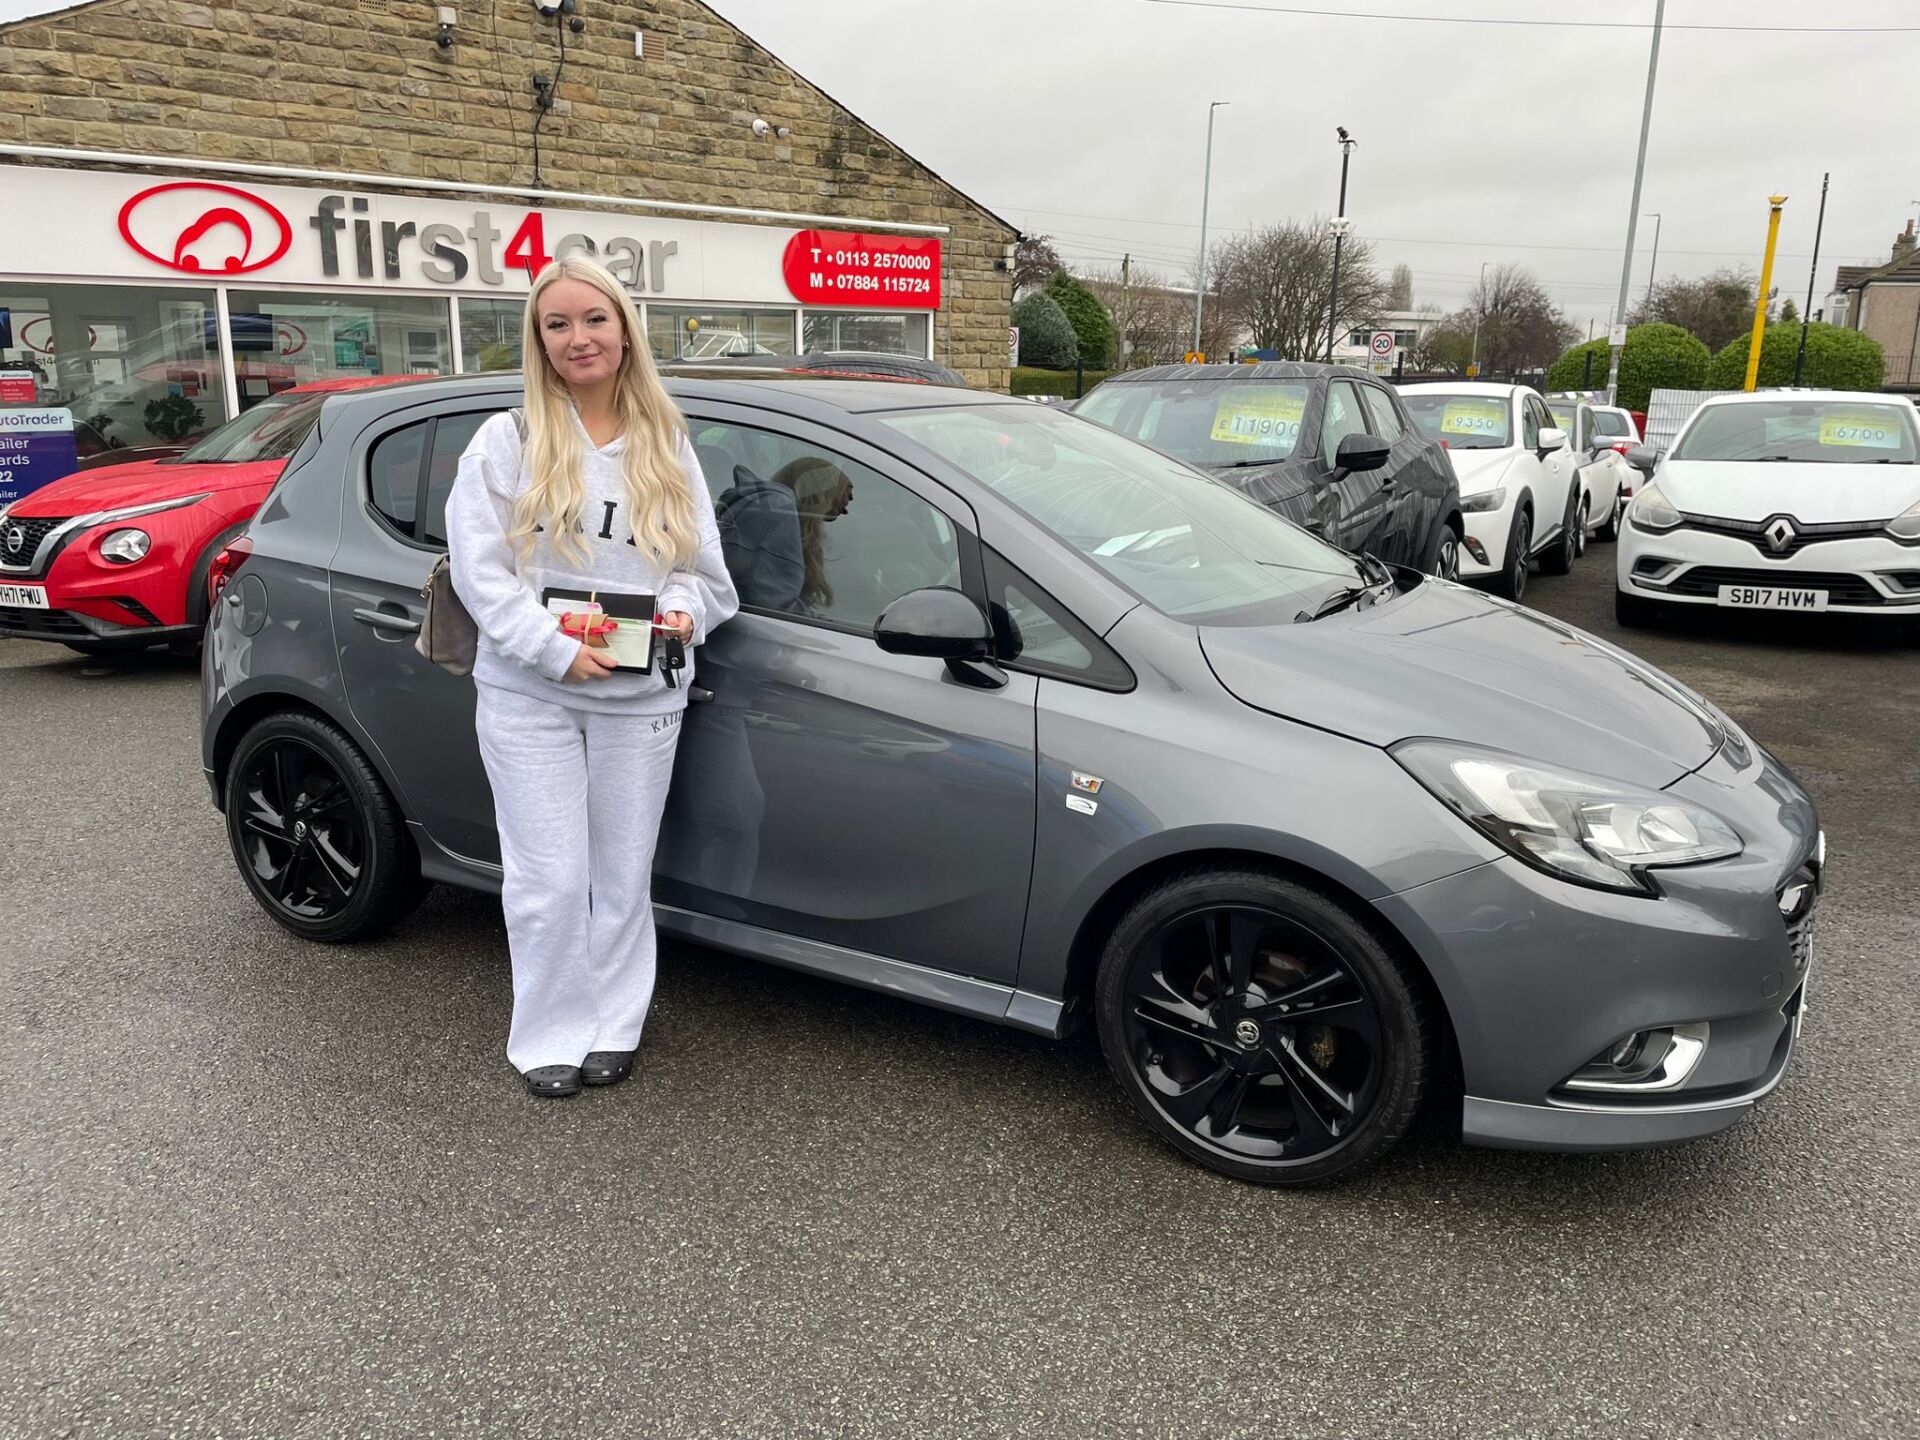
(602, 496)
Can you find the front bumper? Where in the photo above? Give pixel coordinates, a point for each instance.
(1488, 530)
(1541, 976)
(1870, 575)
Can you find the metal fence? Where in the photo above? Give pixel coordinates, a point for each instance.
(1668, 410)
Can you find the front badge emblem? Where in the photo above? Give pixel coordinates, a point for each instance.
(1780, 534)
(16, 539)
(1247, 1032)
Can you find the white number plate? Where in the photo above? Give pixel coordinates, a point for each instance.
(1768, 597)
(31, 597)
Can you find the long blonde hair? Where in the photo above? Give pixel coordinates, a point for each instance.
(659, 504)
(821, 491)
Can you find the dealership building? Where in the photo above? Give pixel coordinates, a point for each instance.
(205, 204)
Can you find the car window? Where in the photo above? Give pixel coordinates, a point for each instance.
(812, 534)
(451, 435)
(1567, 417)
(1611, 425)
(1036, 632)
(1341, 417)
(1189, 546)
(1461, 422)
(1386, 419)
(393, 475)
(1529, 425)
(271, 430)
(1838, 432)
(1205, 422)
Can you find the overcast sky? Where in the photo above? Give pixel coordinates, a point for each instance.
(1086, 119)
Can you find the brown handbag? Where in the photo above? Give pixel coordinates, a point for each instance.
(448, 636)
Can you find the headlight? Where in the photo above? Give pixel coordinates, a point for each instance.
(1905, 527)
(126, 546)
(134, 512)
(1486, 500)
(1650, 511)
(1578, 827)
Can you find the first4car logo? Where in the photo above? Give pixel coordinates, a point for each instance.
(200, 228)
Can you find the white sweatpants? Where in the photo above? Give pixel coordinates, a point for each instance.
(578, 796)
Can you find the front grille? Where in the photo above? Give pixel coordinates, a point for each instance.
(41, 624)
(1706, 580)
(133, 606)
(20, 538)
(1799, 899)
(1804, 534)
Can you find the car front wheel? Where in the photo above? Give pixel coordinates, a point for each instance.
(1518, 563)
(1633, 613)
(1446, 554)
(1573, 535)
(1260, 1028)
(318, 839)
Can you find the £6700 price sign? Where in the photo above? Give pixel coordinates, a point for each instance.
(885, 272)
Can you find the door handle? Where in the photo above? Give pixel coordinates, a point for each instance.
(388, 620)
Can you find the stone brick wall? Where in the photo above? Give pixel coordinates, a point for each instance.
(1892, 315)
(363, 87)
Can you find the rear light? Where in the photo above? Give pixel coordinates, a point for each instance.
(224, 564)
(1620, 447)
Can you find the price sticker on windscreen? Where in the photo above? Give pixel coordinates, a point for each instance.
(1860, 427)
(1272, 419)
(1474, 417)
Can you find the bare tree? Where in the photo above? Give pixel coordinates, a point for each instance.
(1400, 288)
(1717, 308)
(1034, 261)
(1276, 285)
(1521, 328)
(1441, 345)
(1154, 321)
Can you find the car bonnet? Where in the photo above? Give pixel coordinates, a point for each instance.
(1807, 490)
(1449, 662)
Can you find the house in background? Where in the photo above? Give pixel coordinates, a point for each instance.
(1883, 302)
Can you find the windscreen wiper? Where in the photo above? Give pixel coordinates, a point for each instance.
(1243, 464)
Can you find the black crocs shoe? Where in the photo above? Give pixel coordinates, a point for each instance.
(607, 1067)
(553, 1082)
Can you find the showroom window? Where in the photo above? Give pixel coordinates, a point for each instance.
(137, 365)
(684, 332)
(282, 339)
(490, 334)
(888, 334)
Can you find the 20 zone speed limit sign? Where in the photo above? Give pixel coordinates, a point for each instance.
(1382, 344)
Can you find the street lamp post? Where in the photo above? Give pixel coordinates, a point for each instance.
(1479, 313)
(1206, 186)
(1774, 202)
(1653, 215)
(1633, 209)
(1813, 275)
(1341, 224)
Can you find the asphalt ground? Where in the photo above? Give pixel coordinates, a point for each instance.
(260, 1188)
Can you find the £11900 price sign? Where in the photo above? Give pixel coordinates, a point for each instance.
(882, 272)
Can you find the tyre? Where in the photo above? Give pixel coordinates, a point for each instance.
(1260, 1028)
(1518, 563)
(318, 839)
(1633, 613)
(1610, 532)
(1446, 552)
(1559, 559)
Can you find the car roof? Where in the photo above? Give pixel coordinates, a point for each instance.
(1261, 370)
(789, 394)
(1467, 387)
(1854, 397)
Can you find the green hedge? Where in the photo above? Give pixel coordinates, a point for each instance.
(1092, 326)
(1837, 359)
(1656, 357)
(1028, 380)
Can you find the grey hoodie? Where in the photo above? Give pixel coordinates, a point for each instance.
(521, 646)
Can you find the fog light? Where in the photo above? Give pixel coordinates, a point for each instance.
(123, 547)
(1646, 1061)
(1476, 550)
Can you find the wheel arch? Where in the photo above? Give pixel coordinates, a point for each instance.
(262, 704)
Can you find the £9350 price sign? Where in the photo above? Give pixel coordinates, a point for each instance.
(882, 272)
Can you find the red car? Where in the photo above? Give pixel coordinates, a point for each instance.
(117, 557)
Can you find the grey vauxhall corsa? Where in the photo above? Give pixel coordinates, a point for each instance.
(1053, 726)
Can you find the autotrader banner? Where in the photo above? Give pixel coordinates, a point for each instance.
(36, 448)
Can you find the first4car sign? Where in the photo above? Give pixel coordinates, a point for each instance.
(36, 446)
(128, 227)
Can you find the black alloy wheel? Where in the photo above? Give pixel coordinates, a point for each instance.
(1580, 528)
(1260, 1028)
(1610, 531)
(1519, 559)
(1446, 557)
(317, 838)
(1559, 558)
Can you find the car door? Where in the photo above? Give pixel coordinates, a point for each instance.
(830, 790)
(1600, 467)
(1414, 487)
(1559, 470)
(418, 716)
(1358, 507)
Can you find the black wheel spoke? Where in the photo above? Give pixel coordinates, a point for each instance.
(1231, 937)
(1329, 1105)
(286, 779)
(290, 884)
(1191, 1105)
(332, 799)
(341, 873)
(1179, 1018)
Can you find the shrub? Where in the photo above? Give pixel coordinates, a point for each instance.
(1837, 359)
(1046, 335)
(1092, 325)
(173, 418)
(1029, 381)
(1656, 357)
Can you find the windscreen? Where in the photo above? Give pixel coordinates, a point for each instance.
(1191, 547)
(1461, 422)
(1611, 426)
(1833, 432)
(1566, 417)
(271, 430)
(1205, 422)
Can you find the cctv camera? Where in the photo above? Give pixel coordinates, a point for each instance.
(548, 7)
(762, 128)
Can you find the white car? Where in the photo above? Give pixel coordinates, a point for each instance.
(1516, 468)
(1605, 476)
(1791, 500)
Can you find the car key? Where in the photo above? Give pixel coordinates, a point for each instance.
(673, 658)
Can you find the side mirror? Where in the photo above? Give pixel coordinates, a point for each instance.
(1360, 452)
(1551, 439)
(1643, 458)
(937, 622)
